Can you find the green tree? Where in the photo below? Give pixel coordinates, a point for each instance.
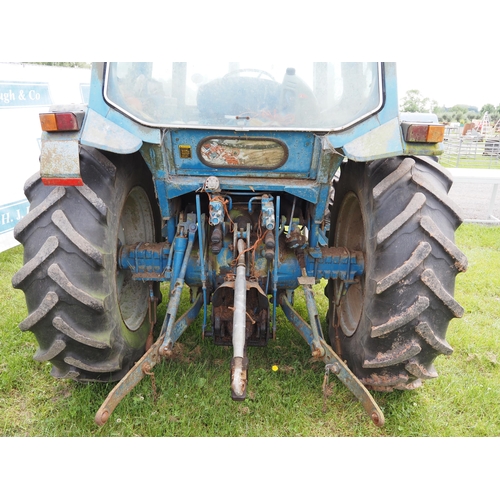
(414, 102)
(471, 115)
(459, 113)
(487, 108)
(434, 107)
(459, 108)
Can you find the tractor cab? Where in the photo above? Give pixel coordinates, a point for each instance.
(316, 97)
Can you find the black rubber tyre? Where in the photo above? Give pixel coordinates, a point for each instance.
(90, 319)
(391, 324)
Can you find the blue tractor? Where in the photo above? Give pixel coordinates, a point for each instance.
(243, 183)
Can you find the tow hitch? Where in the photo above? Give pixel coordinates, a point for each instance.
(172, 330)
(145, 365)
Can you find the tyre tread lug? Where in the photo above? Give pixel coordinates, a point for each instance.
(65, 328)
(417, 257)
(409, 314)
(46, 250)
(46, 355)
(112, 365)
(415, 204)
(393, 178)
(451, 249)
(38, 211)
(56, 273)
(442, 172)
(398, 354)
(426, 332)
(47, 304)
(419, 179)
(420, 371)
(62, 222)
(431, 280)
(93, 199)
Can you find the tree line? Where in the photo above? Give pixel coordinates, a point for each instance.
(414, 101)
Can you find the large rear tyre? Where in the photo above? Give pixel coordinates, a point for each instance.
(90, 318)
(390, 325)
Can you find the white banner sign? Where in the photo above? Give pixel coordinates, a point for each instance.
(27, 90)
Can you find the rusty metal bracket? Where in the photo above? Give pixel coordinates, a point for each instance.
(322, 351)
(127, 383)
(145, 365)
(336, 366)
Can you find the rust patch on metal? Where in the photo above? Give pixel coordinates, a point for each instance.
(179, 352)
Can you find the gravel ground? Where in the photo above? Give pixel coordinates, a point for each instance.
(474, 200)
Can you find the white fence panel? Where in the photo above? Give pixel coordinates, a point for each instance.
(27, 90)
(471, 150)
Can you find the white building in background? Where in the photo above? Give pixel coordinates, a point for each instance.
(26, 90)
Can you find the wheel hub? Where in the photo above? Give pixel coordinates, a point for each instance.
(350, 233)
(136, 225)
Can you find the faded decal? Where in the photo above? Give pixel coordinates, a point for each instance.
(258, 153)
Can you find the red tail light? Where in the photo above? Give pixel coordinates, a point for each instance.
(61, 122)
(425, 133)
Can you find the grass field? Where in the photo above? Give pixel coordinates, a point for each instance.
(479, 162)
(193, 389)
(463, 151)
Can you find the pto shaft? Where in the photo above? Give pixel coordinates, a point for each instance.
(239, 362)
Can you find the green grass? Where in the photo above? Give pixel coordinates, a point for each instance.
(193, 389)
(479, 162)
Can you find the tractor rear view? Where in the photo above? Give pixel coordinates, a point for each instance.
(243, 184)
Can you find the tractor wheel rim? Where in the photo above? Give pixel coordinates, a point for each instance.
(350, 234)
(136, 225)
